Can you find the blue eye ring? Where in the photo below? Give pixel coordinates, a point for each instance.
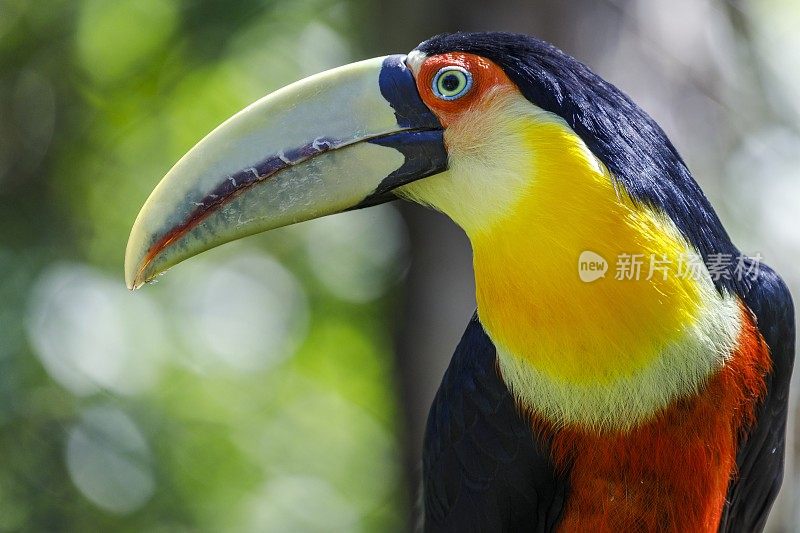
(448, 75)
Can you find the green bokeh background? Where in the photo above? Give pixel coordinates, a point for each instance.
(254, 393)
(280, 383)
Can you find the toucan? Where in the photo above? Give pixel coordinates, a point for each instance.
(627, 368)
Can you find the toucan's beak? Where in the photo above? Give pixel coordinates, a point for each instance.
(339, 140)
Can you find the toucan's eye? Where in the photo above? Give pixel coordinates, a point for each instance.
(451, 83)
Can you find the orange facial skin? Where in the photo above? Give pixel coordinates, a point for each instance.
(485, 76)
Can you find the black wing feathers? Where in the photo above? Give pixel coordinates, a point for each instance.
(760, 456)
(482, 468)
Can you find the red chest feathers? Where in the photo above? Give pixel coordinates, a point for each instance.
(671, 474)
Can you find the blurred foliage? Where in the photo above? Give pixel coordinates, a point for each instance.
(246, 391)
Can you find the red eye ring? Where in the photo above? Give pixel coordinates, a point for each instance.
(485, 78)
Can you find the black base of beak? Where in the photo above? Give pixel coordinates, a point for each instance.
(425, 155)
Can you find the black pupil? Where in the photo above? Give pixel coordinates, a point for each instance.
(450, 82)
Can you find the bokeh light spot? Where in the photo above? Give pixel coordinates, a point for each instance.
(246, 311)
(358, 255)
(333, 447)
(109, 460)
(90, 333)
(301, 504)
